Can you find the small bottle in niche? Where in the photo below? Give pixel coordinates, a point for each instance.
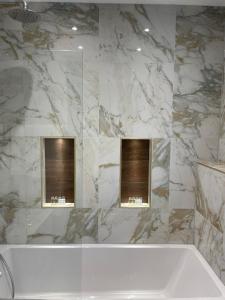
(54, 199)
(138, 200)
(61, 199)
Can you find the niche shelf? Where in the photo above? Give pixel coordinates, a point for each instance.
(58, 172)
(135, 172)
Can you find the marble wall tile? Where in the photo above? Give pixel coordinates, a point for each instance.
(197, 97)
(221, 146)
(54, 28)
(48, 226)
(196, 108)
(54, 31)
(210, 216)
(109, 172)
(181, 226)
(16, 88)
(132, 106)
(13, 229)
(90, 94)
(190, 144)
(136, 99)
(90, 191)
(55, 78)
(20, 172)
(183, 178)
(160, 173)
(122, 32)
(133, 226)
(211, 202)
(89, 40)
(209, 241)
(199, 35)
(182, 174)
(221, 150)
(57, 226)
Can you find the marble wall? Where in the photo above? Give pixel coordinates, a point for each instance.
(197, 97)
(221, 148)
(210, 217)
(169, 91)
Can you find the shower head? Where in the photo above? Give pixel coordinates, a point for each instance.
(24, 14)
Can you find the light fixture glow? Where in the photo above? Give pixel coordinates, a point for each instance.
(146, 30)
(74, 28)
(60, 141)
(138, 49)
(80, 47)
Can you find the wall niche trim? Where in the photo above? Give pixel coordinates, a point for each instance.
(135, 172)
(58, 171)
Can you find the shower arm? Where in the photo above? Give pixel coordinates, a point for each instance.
(25, 4)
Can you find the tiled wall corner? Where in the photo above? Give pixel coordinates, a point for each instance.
(209, 218)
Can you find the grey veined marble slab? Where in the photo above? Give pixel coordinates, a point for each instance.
(42, 94)
(133, 226)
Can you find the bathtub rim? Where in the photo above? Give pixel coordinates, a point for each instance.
(192, 248)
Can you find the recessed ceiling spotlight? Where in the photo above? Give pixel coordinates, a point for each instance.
(138, 49)
(74, 28)
(146, 30)
(80, 47)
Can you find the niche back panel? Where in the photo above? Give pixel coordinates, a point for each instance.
(59, 169)
(135, 171)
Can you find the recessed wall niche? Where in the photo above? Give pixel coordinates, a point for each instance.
(135, 172)
(58, 172)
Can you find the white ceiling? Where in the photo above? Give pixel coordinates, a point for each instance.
(170, 2)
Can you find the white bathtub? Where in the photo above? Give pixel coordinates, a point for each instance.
(109, 272)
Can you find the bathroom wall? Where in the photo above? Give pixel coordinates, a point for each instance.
(170, 91)
(209, 217)
(221, 148)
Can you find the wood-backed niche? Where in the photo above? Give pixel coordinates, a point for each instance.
(58, 172)
(135, 172)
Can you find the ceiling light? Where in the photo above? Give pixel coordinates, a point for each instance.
(74, 28)
(80, 47)
(146, 30)
(138, 49)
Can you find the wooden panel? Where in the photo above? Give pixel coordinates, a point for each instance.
(135, 170)
(135, 149)
(135, 156)
(59, 168)
(133, 189)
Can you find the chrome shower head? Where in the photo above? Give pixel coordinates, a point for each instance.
(24, 14)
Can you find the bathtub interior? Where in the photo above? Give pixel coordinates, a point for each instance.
(107, 273)
(158, 272)
(41, 272)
